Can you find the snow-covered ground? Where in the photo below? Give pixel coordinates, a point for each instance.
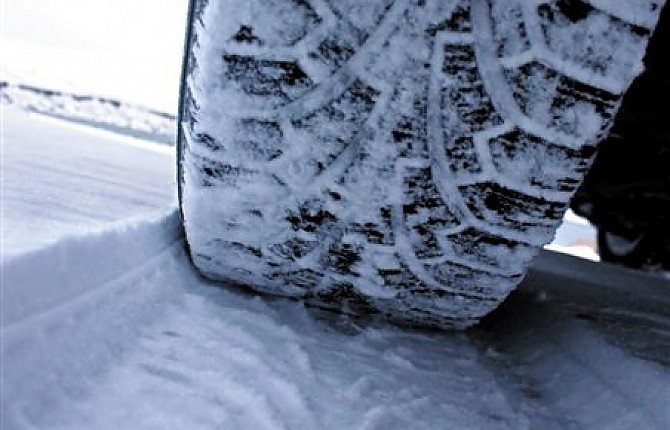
(61, 178)
(106, 325)
(99, 112)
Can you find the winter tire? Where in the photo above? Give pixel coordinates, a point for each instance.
(405, 157)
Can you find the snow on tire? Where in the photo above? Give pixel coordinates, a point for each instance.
(406, 157)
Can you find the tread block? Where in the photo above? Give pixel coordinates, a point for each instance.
(465, 90)
(560, 102)
(352, 107)
(435, 306)
(259, 140)
(638, 12)
(338, 47)
(509, 28)
(211, 172)
(459, 21)
(342, 258)
(606, 45)
(291, 21)
(344, 297)
(531, 160)
(311, 217)
(336, 125)
(294, 249)
(471, 280)
(410, 132)
(422, 305)
(462, 155)
(404, 310)
(401, 279)
(339, 119)
(245, 34)
(306, 279)
(409, 135)
(279, 81)
(479, 248)
(207, 141)
(362, 15)
(378, 232)
(500, 206)
(425, 211)
(233, 248)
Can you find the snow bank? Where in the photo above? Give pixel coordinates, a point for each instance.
(105, 113)
(79, 263)
(74, 305)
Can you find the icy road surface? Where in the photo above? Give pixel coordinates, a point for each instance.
(111, 328)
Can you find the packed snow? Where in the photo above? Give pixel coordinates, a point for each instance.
(106, 325)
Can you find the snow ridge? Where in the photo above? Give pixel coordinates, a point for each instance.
(100, 112)
(81, 301)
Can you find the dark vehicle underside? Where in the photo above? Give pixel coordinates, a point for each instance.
(626, 194)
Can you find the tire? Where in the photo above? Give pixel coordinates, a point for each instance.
(408, 158)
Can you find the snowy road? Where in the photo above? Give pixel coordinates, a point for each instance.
(111, 328)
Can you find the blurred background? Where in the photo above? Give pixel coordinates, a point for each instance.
(124, 49)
